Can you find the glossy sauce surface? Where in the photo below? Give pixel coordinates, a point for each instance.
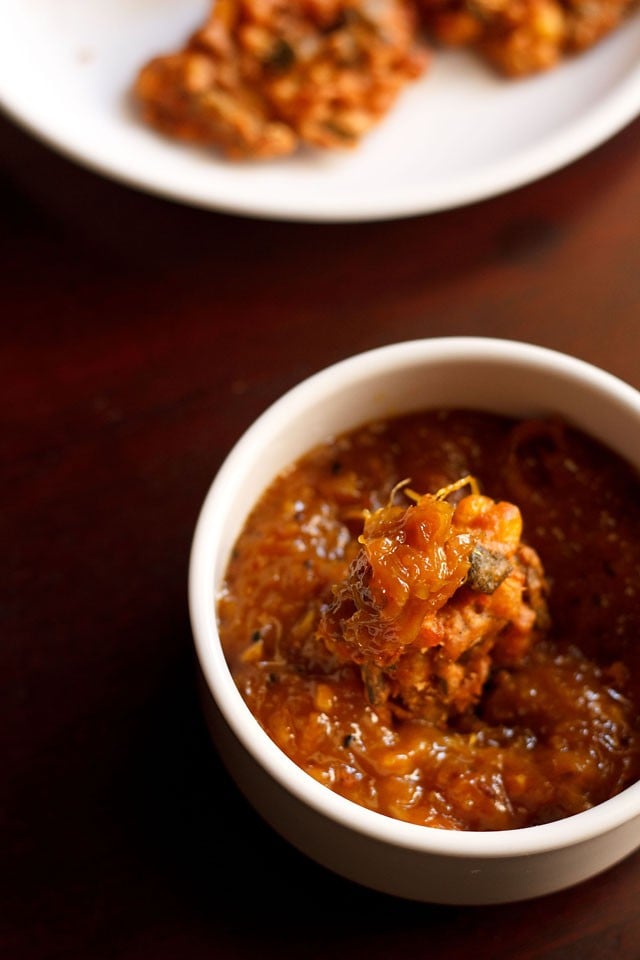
(551, 735)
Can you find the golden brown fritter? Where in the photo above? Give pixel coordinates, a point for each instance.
(521, 37)
(437, 595)
(263, 77)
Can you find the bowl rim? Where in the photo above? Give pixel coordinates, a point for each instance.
(524, 841)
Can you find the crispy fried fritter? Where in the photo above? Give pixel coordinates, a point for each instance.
(521, 37)
(437, 595)
(263, 77)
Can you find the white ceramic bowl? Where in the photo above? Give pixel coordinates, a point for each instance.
(403, 859)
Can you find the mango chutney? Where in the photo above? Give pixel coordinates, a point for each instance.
(509, 700)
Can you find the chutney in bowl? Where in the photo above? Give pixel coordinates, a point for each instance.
(530, 786)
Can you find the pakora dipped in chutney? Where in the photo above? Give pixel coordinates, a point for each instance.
(437, 594)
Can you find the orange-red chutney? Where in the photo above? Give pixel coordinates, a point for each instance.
(550, 737)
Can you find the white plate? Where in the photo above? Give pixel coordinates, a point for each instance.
(458, 135)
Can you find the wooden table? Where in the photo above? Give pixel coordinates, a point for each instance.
(139, 339)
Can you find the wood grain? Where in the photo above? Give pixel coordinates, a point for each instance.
(139, 339)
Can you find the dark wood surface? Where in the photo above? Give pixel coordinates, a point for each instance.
(139, 339)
